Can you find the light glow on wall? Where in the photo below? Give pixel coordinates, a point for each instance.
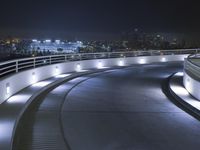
(78, 67)
(34, 40)
(180, 91)
(121, 63)
(48, 41)
(188, 85)
(57, 41)
(100, 65)
(142, 61)
(8, 88)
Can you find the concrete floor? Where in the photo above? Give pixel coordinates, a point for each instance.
(123, 109)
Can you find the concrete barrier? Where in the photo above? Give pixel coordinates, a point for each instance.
(191, 78)
(16, 82)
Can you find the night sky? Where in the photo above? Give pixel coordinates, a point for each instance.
(98, 18)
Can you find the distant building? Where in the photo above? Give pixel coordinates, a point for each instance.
(56, 46)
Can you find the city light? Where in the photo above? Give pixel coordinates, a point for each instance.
(57, 41)
(34, 40)
(48, 41)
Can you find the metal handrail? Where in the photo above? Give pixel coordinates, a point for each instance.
(27, 63)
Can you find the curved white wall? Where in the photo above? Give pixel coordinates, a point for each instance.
(191, 85)
(20, 80)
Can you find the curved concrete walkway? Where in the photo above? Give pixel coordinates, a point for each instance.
(13, 110)
(123, 109)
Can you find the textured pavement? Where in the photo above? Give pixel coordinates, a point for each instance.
(123, 109)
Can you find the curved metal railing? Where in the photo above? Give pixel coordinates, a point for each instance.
(15, 66)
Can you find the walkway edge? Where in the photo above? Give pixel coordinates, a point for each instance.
(43, 91)
(188, 107)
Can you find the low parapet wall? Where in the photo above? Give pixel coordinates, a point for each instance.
(16, 82)
(191, 78)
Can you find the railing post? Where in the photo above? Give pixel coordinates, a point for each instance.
(16, 69)
(65, 57)
(50, 60)
(33, 62)
(151, 52)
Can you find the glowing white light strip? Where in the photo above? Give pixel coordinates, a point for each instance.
(78, 67)
(20, 98)
(7, 88)
(181, 91)
(41, 84)
(62, 75)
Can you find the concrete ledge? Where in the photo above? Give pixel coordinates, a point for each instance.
(182, 96)
(13, 84)
(192, 84)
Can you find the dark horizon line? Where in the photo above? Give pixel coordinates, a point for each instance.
(64, 34)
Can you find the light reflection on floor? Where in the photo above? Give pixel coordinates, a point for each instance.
(184, 94)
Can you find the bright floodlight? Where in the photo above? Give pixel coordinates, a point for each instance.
(7, 88)
(41, 84)
(121, 63)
